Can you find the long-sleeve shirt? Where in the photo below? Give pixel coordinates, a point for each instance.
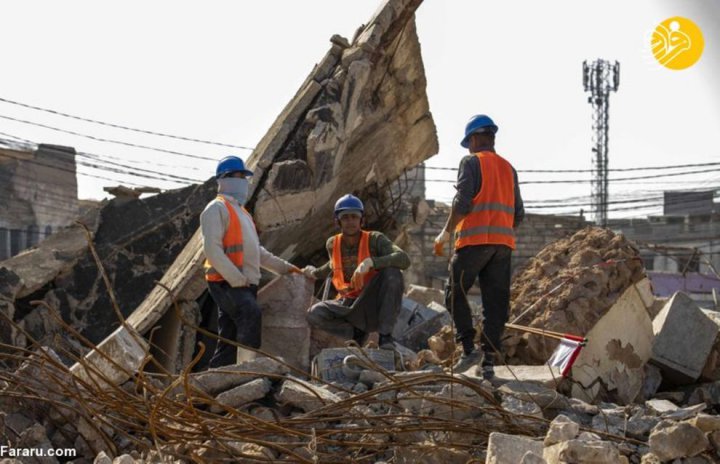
(469, 183)
(383, 251)
(214, 222)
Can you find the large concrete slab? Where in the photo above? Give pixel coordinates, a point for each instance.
(618, 347)
(285, 331)
(115, 360)
(358, 121)
(684, 336)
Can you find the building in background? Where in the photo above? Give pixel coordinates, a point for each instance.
(681, 248)
(38, 193)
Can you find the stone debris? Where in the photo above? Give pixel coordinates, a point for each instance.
(417, 322)
(125, 391)
(568, 287)
(115, 360)
(680, 320)
(285, 330)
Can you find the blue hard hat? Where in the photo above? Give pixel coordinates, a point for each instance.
(478, 123)
(231, 164)
(347, 202)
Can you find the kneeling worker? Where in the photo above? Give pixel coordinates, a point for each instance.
(365, 268)
(234, 257)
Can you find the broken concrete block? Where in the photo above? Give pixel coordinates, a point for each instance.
(618, 347)
(597, 452)
(285, 330)
(214, 381)
(516, 407)
(328, 365)
(510, 449)
(534, 393)
(706, 422)
(532, 458)
(561, 429)
(660, 407)
(416, 323)
(430, 453)
(543, 375)
(467, 403)
(114, 360)
(670, 441)
(684, 336)
(304, 395)
(425, 295)
(688, 412)
(242, 394)
(711, 369)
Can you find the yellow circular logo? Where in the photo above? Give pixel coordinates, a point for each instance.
(677, 43)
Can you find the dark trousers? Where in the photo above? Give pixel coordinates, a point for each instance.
(375, 309)
(490, 265)
(239, 319)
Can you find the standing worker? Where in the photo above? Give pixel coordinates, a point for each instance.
(233, 259)
(366, 273)
(486, 209)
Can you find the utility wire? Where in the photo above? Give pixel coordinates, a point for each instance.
(648, 168)
(133, 170)
(100, 139)
(584, 181)
(117, 126)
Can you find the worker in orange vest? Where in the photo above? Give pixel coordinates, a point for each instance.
(233, 260)
(486, 209)
(365, 267)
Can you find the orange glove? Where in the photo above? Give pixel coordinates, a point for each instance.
(294, 270)
(440, 241)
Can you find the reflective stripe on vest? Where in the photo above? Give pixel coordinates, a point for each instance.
(338, 278)
(232, 242)
(491, 218)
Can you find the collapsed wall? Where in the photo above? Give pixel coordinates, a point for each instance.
(360, 119)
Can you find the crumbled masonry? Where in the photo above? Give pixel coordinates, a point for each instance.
(117, 372)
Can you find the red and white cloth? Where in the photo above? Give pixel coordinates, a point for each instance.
(566, 353)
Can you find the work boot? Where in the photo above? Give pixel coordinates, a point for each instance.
(466, 361)
(486, 369)
(360, 336)
(386, 342)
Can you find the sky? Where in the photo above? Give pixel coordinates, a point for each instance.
(223, 70)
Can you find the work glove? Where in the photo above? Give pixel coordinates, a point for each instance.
(294, 270)
(308, 271)
(440, 241)
(363, 268)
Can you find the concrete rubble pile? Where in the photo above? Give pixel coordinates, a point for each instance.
(122, 384)
(263, 410)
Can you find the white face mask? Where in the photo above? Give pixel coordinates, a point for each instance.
(235, 187)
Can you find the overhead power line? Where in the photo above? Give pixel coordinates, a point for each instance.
(118, 126)
(100, 139)
(584, 181)
(546, 171)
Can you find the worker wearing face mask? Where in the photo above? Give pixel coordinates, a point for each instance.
(233, 260)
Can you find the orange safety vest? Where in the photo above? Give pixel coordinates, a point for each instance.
(493, 209)
(338, 278)
(232, 242)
